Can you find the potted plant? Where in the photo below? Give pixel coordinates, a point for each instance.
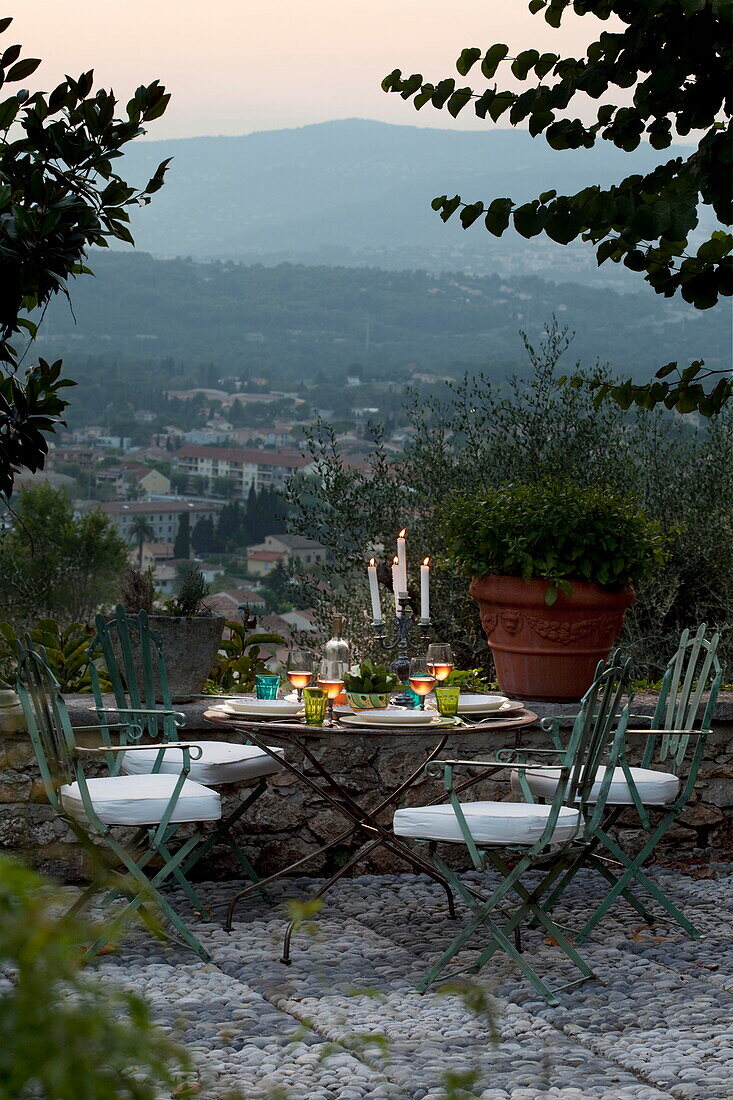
(553, 567)
(189, 632)
(369, 686)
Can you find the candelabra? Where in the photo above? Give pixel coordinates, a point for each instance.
(404, 621)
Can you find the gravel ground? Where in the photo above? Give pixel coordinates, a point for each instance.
(344, 1021)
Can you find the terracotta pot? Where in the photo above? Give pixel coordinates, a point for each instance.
(543, 652)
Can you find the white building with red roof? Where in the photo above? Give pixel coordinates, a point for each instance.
(247, 468)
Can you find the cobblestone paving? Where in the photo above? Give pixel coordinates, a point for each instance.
(344, 1022)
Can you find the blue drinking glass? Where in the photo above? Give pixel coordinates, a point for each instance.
(267, 687)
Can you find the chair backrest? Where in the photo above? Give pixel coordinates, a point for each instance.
(133, 656)
(595, 742)
(47, 719)
(687, 697)
(596, 727)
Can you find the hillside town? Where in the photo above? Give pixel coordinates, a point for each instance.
(208, 494)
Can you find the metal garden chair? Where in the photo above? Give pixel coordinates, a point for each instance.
(671, 748)
(548, 836)
(155, 807)
(133, 657)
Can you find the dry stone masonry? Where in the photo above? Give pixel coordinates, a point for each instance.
(290, 821)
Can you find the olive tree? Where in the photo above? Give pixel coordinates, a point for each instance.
(480, 435)
(675, 58)
(56, 565)
(60, 193)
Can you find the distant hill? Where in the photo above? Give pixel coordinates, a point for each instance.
(356, 192)
(292, 322)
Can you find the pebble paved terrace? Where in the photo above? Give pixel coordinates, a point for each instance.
(658, 1024)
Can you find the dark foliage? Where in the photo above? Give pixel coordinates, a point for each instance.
(59, 194)
(676, 56)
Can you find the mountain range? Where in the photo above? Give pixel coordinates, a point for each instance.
(355, 192)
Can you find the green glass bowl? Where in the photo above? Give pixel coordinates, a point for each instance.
(359, 700)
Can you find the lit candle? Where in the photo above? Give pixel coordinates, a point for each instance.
(374, 591)
(402, 562)
(425, 590)
(396, 584)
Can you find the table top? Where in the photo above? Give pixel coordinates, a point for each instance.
(272, 726)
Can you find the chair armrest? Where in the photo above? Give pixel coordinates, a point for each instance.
(662, 732)
(508, 753)
(484, 764)
(177, 715)
(435, 767)
(552, 725)
(135, 730)
(196, 754)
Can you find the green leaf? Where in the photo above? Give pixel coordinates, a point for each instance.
(468, 59)
(530, 219)
(501, 102)
(449, 207)
(470, 214)
(492, 59)
(443, 91)
(666, 370)
(23, 68)
(523, 62)
(498, 216)
(458, 101)
(158, 109)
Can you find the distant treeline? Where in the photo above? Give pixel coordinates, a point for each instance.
(145, 325)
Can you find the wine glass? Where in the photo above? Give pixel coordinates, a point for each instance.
(439, 660)
(331, 680)
(300, 670)
(422, 679)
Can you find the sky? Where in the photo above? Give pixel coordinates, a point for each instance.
(238, 66)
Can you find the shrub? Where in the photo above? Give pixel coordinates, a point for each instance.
(66, 652)
(555, 531)
(65, 1034)
(476, 435)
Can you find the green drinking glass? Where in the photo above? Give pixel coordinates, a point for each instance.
(314, 701)
(446, 700)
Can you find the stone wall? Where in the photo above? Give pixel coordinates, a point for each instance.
(289, 821)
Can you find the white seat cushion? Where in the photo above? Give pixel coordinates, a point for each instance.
(142, 800)
(220, 762)
(496, 823)
(655, 788)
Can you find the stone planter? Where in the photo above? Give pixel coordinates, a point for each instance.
(543, 652)
(189, 648)
(360, 700)
(11, 712)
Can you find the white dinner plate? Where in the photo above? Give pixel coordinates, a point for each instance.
(393, 716)
(261, 708)
(508, 709)
(430, 718)
(480, 704)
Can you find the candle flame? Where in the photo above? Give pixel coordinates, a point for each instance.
(426, 561)
(402, 533)
(372, 561)
(395, 560)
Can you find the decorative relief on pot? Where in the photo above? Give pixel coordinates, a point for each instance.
(489, 620)
(511, 621)
(567, 633)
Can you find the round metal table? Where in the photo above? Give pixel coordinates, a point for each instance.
(269, 734)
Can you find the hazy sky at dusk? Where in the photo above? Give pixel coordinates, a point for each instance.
(235, 66)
